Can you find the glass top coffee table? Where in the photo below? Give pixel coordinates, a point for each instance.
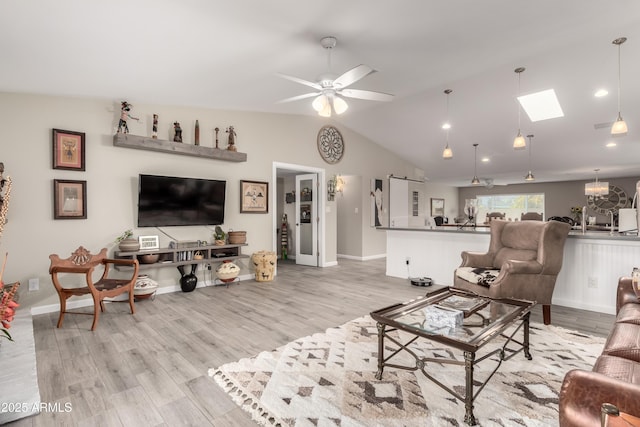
(461, 320)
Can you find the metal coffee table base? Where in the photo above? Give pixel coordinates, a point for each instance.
(469, 362)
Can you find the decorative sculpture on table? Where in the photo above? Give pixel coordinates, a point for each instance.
(196, 139)
(177, 137)
(125, 109)
(232, 139)
(470, 209)
(217, 130)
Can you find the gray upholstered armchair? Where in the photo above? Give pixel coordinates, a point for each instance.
(523, 261)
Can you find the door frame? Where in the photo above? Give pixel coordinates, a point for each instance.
(322, 189)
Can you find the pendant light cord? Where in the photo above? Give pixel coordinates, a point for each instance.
(619, 77)
(519, 102)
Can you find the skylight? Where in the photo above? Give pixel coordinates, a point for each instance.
(541, 105)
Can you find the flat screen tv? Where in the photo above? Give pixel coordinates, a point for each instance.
(169, 200)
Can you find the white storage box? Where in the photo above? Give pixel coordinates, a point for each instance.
(437, 316)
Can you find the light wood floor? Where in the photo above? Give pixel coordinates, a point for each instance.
(150, 369)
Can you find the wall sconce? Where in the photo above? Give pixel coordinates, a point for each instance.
(334, 185)
(331, 189)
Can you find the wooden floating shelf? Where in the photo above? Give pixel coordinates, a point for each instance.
(164, 146)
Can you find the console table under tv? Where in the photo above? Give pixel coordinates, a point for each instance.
(185, 255)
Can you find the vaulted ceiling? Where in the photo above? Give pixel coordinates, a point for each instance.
(224, 54)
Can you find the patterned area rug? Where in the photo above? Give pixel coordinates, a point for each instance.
(328, 379)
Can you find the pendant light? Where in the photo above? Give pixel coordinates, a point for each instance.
(475, 180)
(596, 189)
(519, 142)
(447, 153)
(619, 126)
(530, 176)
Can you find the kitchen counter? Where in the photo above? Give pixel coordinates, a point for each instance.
(593, 232)
(592, 262)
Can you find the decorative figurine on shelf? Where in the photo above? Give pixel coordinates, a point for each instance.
(232, 139)
(154, 129)
(217, 130)
(196, 134)
(177, 137)
(125, 109)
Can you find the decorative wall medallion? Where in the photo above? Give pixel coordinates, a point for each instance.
(330, 144)
(615, 200)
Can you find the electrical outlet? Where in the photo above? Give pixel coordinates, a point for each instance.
(407, 260)
(34, 284)
(592, 282)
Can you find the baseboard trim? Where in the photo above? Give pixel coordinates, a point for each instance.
(88, 301)
(365, 258)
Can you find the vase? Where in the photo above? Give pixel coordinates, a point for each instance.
(145, 287)
(188, 281)
(129, 245)
(227, 272)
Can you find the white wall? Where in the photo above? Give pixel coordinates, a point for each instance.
(112, 172)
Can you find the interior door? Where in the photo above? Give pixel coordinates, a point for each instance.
(307, 219)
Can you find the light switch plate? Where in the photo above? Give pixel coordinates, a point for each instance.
(34, 284)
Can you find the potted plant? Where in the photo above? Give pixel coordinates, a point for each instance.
(127, 243)
(219, 236)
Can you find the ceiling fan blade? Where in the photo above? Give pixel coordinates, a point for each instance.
(366, 94)
(353, 75)
(301, 81)
(299, 97)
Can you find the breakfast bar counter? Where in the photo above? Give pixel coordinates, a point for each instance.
(593, 261)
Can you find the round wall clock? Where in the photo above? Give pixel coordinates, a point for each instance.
(330, 144)
(615, 200)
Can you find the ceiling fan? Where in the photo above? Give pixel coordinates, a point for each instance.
(330, 89)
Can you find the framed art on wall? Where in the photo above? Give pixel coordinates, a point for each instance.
(376, 203)
(437, 207)
(68, 150)
(69, 199)
(255, 197)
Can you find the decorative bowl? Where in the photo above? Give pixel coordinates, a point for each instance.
(148, 258)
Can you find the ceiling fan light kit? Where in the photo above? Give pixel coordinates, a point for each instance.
(519, 142)
(328, 98)
(619, 126)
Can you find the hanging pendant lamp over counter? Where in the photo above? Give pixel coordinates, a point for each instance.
(475, 180)
(447, 153)
(619, 126)
(530, 176)
(519, 142)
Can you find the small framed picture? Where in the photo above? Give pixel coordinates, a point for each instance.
(437, 207)
(148, 243)
(255, 197)
(68, 150)
(69, 199)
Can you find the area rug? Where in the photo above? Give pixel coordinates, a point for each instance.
(328, 379)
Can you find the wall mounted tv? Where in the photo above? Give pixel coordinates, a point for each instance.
(169, 200)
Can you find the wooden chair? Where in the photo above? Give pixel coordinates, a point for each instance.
(531, 216)
(494, 215)
(83, 262)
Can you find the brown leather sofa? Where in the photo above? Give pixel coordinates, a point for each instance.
(615, 377)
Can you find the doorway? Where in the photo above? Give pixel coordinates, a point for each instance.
(305, 222)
